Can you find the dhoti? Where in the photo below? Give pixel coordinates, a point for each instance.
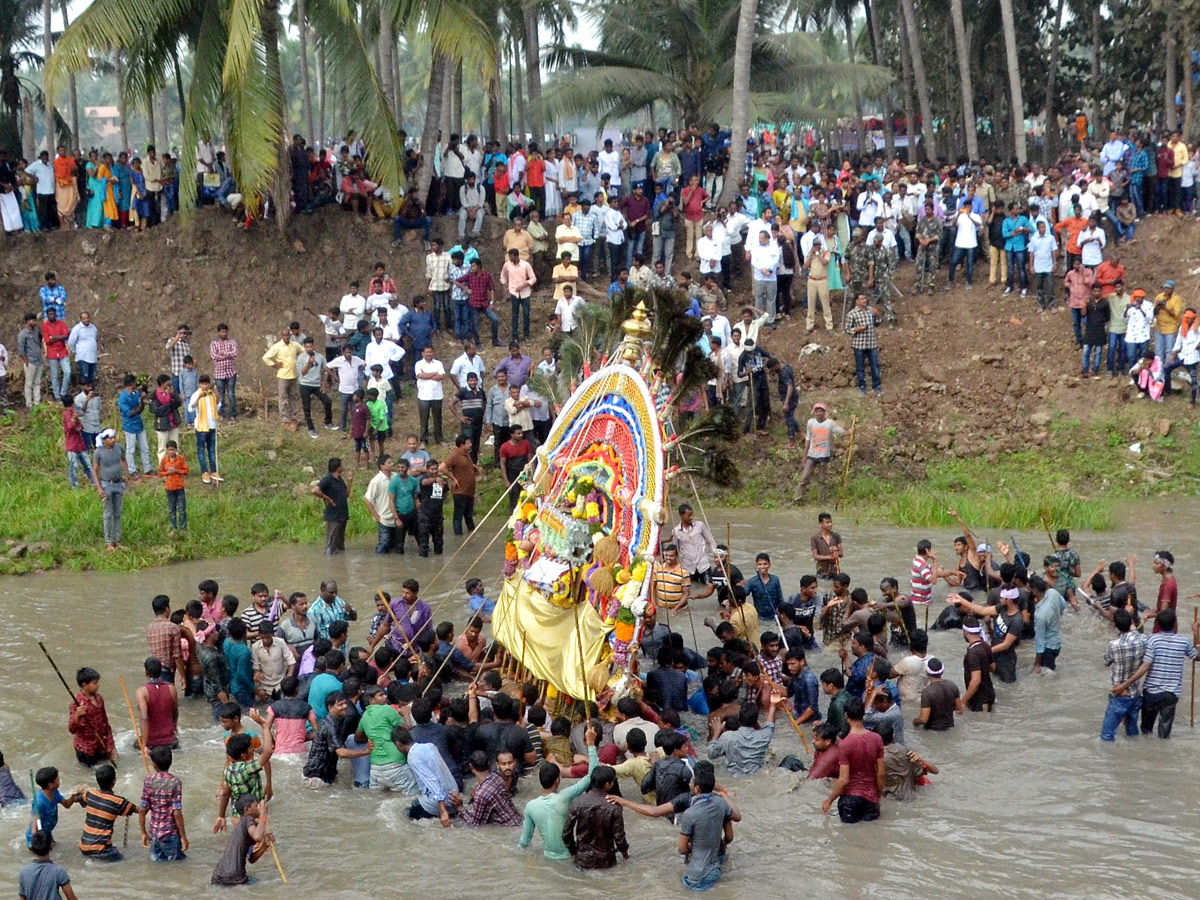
(67, 198)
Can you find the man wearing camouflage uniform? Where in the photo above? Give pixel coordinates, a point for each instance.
(928, 237)
(858, 261)
(881, 264)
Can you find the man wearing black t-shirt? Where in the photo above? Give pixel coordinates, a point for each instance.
(333, 489)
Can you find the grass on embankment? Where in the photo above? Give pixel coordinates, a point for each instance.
(1078, 479)
(263, 501)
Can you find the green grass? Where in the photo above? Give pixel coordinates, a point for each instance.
(263, 501)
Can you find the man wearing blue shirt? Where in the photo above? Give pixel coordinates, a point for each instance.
(764, 588)
(131, 402)
(1016, 231)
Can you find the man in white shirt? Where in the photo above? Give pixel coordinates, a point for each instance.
(966, 242)
(1111, 153)
(731, 256)
(610, 163)
(47, 210)
(473, 156)
(472, 205)
(709, 252)
(720, 323)
(468, 361)
(740, 384)
(869, 204)
(810, 237)
(614, 236)
(430, 374)
(1091, 242)
(759, 225)
(84, 342)
(764, 260)
(352, 307)
(349, 369)
(568, 308)
(382, 352)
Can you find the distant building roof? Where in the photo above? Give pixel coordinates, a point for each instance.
(101, 112)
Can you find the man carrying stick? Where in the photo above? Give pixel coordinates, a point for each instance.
(248, 841)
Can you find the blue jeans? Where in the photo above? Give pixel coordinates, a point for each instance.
(585, 259)
(74, 461)
(168, 849)
(1135, 194)
(1191, 370)
(635, 246)
(1077, 324)
(226, 397)
(1134, 352)
(87, 372)
(387, 537)
(1119, 708)
(957, 256)
(1162, 193)
(861, 357)
(462, 319)
(1126, 232)
(442, 313)
(177, 509)
(1163, 344)
(206, 451)
(1116, 354)
(1017, 266)
(520, 310)
(399, 226)
(704, 883)
(60, 376)
(473, 324)
(1096, 351)
(362, 764)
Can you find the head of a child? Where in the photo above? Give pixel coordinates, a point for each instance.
(246, 806)
(88, 680)
(106, 777)
(162, 758)
(230, 717)
(239, 747)
(189, 363)
(47, 778)
(172, 450)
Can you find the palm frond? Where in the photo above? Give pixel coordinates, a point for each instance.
(720, 424)
(714, 465)
(255, 103)
(244, 33)
(204, 99)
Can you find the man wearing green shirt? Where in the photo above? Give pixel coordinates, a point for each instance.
(405, 491)
(389, 765)
(833, 683)
(548, 813)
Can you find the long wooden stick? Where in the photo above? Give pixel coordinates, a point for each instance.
(846, 465)
(792, 718)
(66, 687)
(133, 719)
(275, 856)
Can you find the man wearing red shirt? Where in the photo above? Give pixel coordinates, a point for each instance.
(515, 454)
(860, 763)
(1108, 273)
(535, 177)
(54, 335)
(77, 452)
(480, 294)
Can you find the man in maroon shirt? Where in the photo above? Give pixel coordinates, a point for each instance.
(58, 360)
(637, 214)
(860, 779)
(1168, 589)
(515, 454)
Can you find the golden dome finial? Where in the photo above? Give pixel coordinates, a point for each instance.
(637, 329)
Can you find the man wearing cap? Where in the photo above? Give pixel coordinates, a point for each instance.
(819, 432)
(928, 236)
(1168, 310)
(694, 542)
(111, 475)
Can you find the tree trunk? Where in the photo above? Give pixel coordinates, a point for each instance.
(433, 114)
(1051, 140)
(1170, 65)
(456, 109)
(151, 131)
(860, 130)
(1014, 80)
(963, 50)
(1188, 108)
(343, 114)
(1094, 112)
(398, 100)
(164, 121)
(28, 137)
(742, 51)
(282, 188)
(387, 53)
(929, 139)
(444, 120)
(495, 96)
(533, 72)
(885, 99)
(910, 118)
(522, 120)
(122, 107)
(305, 86)
(319, 135)
(179, 89)
(47, 48)
(75, 94)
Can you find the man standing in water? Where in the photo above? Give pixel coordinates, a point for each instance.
(860, 777)
(1124, 655)
(595, 829)
(980, 694)
(1163, 664)
(548, 813)
(826, 547)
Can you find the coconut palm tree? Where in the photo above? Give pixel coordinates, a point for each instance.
(928, 143)
(236, 79)
(20, 27)
(1014, 78)
(743, 58)
(963, 51)
(676, 53)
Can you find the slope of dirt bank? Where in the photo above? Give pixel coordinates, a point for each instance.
(967, 374)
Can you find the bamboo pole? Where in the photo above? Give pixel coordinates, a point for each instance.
(846, 464)
(1195, 619)
(133, 720)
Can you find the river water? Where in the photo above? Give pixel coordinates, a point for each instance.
(1029, 803)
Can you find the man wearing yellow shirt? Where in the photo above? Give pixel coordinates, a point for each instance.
(1168, 310)
(281, 356)
(1180, 150)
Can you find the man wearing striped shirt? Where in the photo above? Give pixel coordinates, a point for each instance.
(102, 808)
(1162, 665)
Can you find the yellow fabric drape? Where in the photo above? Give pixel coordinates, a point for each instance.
(524, 621)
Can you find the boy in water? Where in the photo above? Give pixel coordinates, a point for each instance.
(46, 803)
(244, 775)
(9, 792)
(102, 808)
(162, 801)
(42, 878)
(88, 722)
(248, 841)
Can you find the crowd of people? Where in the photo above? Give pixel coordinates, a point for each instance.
(452, 721)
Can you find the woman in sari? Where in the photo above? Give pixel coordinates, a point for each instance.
(25, 197)
(97, 190)
(124, 189)
(140, 205)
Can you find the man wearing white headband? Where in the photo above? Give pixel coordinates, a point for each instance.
(939, 699)
(977, 668)
(1003, 610)
(1168, 589)
(110, 472)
